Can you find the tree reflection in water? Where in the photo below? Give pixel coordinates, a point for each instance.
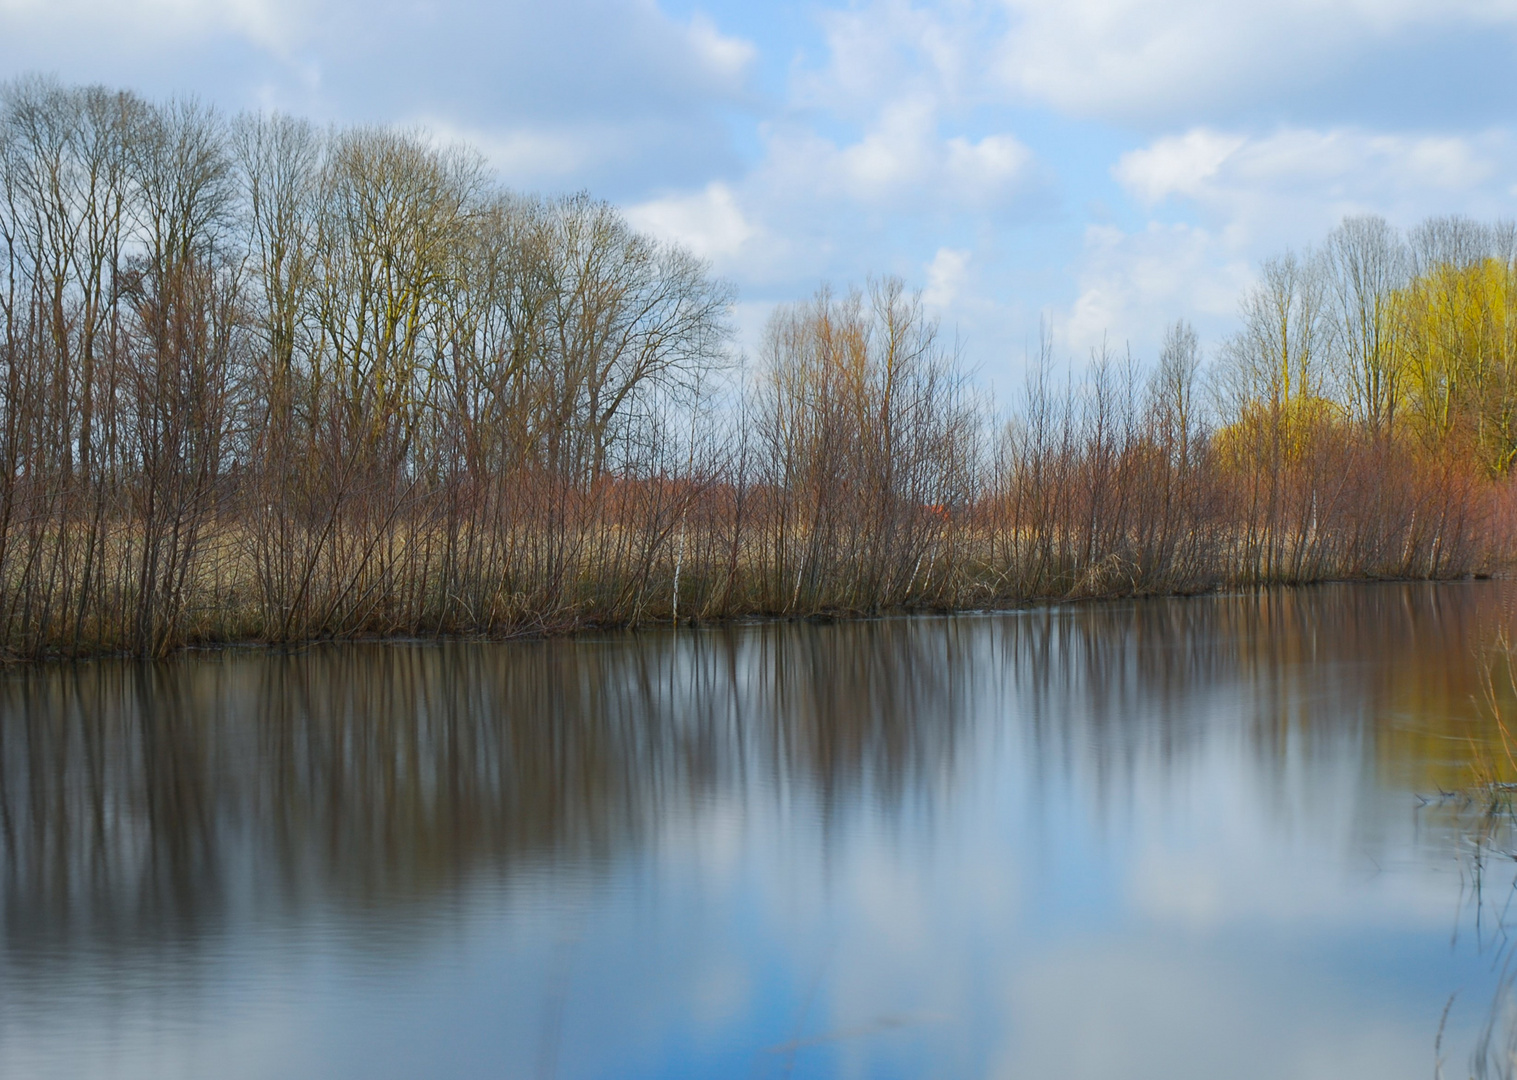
(145, 802)
(147, 809)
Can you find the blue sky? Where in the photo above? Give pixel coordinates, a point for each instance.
(1108, 165)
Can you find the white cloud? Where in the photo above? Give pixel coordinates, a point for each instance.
(902, 161)
(1133, 284)
(708, 222)
(1251, 196)
(1162, 58)
(533, 156)
(1209, 166)
(1291, 186)
(946, 275)
(598, 94)
(886, 50)
(981, 171)
(1177, 165)
(728, 58)
(269, 24)
(1161, 62)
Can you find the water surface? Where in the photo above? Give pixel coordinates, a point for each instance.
(1180, 838)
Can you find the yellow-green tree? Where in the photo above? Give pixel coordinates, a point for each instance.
(1458, 330)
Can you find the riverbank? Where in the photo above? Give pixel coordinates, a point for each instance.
(709, 601)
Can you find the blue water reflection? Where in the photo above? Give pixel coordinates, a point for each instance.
(1175, 838)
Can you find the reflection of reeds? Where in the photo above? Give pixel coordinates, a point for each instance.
(1493, 759)
(1487, 814)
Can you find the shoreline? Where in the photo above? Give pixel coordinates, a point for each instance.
(18, 665)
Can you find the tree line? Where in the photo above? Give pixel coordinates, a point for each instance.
(263, 381)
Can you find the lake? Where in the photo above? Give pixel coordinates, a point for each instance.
(1179, 838)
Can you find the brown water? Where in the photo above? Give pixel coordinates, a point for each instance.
(1174, 839)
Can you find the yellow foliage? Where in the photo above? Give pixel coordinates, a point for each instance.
(1268, 432)
(1458, 331)
(1449, 373)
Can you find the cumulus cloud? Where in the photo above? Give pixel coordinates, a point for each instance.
(1295, 183)
(707, 222)
(946, 276)
(902, 161)
(269, 24)
(1250, 196)
(1156, 59)
(888, 49)
(1208, 165)
(727, 58)
(1131, 285)
(532, 157)
(1177, 165)
(582, 93)
(1162, 62)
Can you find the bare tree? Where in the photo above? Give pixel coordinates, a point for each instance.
(1367, 263)
(1172, 392)
(1278, 355)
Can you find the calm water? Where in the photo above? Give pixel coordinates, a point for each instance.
(1165, 839)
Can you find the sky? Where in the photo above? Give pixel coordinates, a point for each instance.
(1103, 167)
